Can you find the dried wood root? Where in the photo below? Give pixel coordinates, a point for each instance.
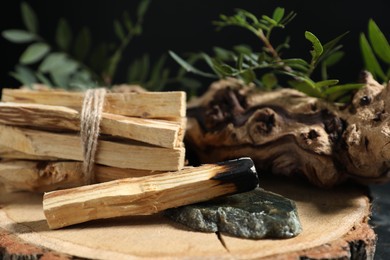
(286, 132)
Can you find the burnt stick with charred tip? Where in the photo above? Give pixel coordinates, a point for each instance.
(150, 194)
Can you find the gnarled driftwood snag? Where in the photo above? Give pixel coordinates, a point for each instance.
(286, 132)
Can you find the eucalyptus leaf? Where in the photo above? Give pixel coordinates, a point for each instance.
(144, 71)
(317, 46)
(112, 64)
(278, 14)
(334, 58)
(127, 21)
(269, 19)
(209, 62)
(288, 18)
(137, 30)
(52, 62)
(19, 78)
(243, 48)
(332, 44)
(188, 67)
(157, 69)
(118, 29)
(82, 44)
(29, 17)
(345, 87)
(59, 79)
(81, 80)
(243, 13)
(248, 76)
(67, 68)
(34, 53)
(134, 71)
(326, 83)
(24, 75)
(262, 25)
(43, 79)
(142, 8)
(339, 92)
(369, 58)
(224, 69)
(223, 54)
(378, 41)
(62, 75)
(240, 62)
(18, 36)
(306, 86)
(284, 45)
(269, 80)
(63, 35)
(297, 64)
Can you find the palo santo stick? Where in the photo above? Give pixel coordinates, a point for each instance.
(143, 104)
(43, 176)
(158, 132)
(148, 195)
(67, 146)
(9, 153)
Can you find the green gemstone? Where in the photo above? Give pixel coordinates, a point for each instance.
(255, 214)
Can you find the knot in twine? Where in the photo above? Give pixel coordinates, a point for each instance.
(91, 114)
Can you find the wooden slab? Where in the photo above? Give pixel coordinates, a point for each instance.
(334, 223)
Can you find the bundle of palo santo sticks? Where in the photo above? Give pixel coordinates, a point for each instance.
(138, 164)
(140, 134)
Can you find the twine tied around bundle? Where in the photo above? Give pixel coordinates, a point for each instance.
(91, 114)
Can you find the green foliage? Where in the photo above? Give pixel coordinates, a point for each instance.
(376, 52)
(72, 61)
(19, 36)
(34, 53)
(63, 35)
(29, 18)
(267, 68)
(318, 49)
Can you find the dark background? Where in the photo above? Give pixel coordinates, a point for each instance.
(185, 26)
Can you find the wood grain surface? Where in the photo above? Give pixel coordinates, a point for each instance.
(334, 226)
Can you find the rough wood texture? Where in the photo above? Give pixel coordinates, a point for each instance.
(288, 133)
(12, 247)
(358, 243)
(68, 146)
(7, 153)
(142, 104)
(43, 176)
(334, 227)
(157, 132)
(148, 195)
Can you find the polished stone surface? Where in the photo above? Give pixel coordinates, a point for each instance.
(255, 214)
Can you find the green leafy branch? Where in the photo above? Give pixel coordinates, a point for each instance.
(376, 46)
(72, 62)
(268, 68)
(262, 27)
(66, 64)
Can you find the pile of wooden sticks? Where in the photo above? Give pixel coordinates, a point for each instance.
(140, 134)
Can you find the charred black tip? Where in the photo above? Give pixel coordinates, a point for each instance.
(241, 172)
